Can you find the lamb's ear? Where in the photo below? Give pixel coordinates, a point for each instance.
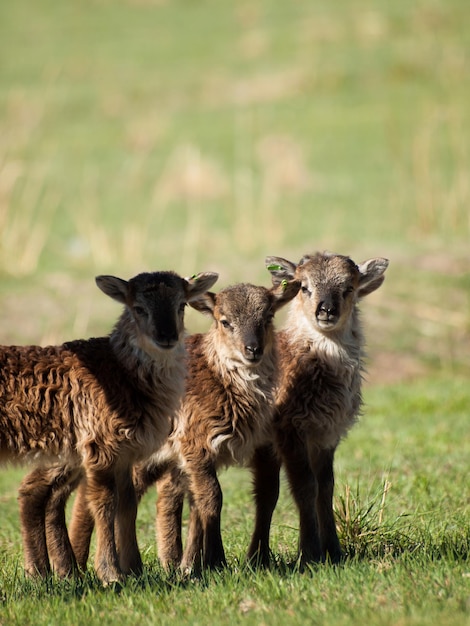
(284, 292)
(199, 284)
(114, 287)
(372, 275)
(281, 269)
(204, 303)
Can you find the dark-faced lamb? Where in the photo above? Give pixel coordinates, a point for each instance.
(226, 414)
(89, 409)
(321, 356)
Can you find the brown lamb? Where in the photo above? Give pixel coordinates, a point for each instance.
(226, 414)
(321, 356)
(88, 410)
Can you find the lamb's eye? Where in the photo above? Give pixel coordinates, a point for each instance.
(347, 291)
(139, 310)
(306, 290)
(225, 323)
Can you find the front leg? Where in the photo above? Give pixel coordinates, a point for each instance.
(101, 496)
(81, 526)
(146, 474)
(125, 525)
(265, 467)
(206, 494)
(171, 489)
(193, 560)
(304, 489)
(322, 465)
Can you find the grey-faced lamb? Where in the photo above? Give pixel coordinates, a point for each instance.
(321, 356)
(89, 409)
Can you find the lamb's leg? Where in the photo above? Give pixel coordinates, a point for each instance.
(81, 526)
(34, 493)
(61, 554)
(304, 489)
(322, 466)
(265, 468)
(192, 560)
(171, 491)
(126, 539)
(206, 494)
(144, 475)
(101, 494)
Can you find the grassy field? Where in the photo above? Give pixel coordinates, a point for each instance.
(168, 134)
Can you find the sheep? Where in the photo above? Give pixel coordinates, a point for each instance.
(225, 415)
(321, 355)
(87, 410)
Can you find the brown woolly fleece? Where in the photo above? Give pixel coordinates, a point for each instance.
(226, 414)
(321, 356)
(92, 408)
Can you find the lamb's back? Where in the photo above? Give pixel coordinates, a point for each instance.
(64, 400)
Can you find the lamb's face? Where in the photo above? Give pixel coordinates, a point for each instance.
(157, 305)
(328, 292)
(330, 287)
(242, 332)
(243, 316)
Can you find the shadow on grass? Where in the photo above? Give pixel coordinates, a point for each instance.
(19, 586)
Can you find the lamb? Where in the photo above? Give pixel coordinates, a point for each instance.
(226, 414)
(87, 410)
(321, 354)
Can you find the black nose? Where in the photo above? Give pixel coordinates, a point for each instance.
(326, 309)
(254, 353)
(166, 340)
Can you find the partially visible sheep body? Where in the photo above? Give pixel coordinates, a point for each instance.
(93, 408)
(52, 399)
(226, 414)
(321, 352)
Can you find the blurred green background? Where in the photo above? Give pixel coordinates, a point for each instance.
(203, 135)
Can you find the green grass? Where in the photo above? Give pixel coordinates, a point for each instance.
(158, 134)
(402, 507)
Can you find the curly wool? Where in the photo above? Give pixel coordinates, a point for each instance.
(77, 402)
(320, 397)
